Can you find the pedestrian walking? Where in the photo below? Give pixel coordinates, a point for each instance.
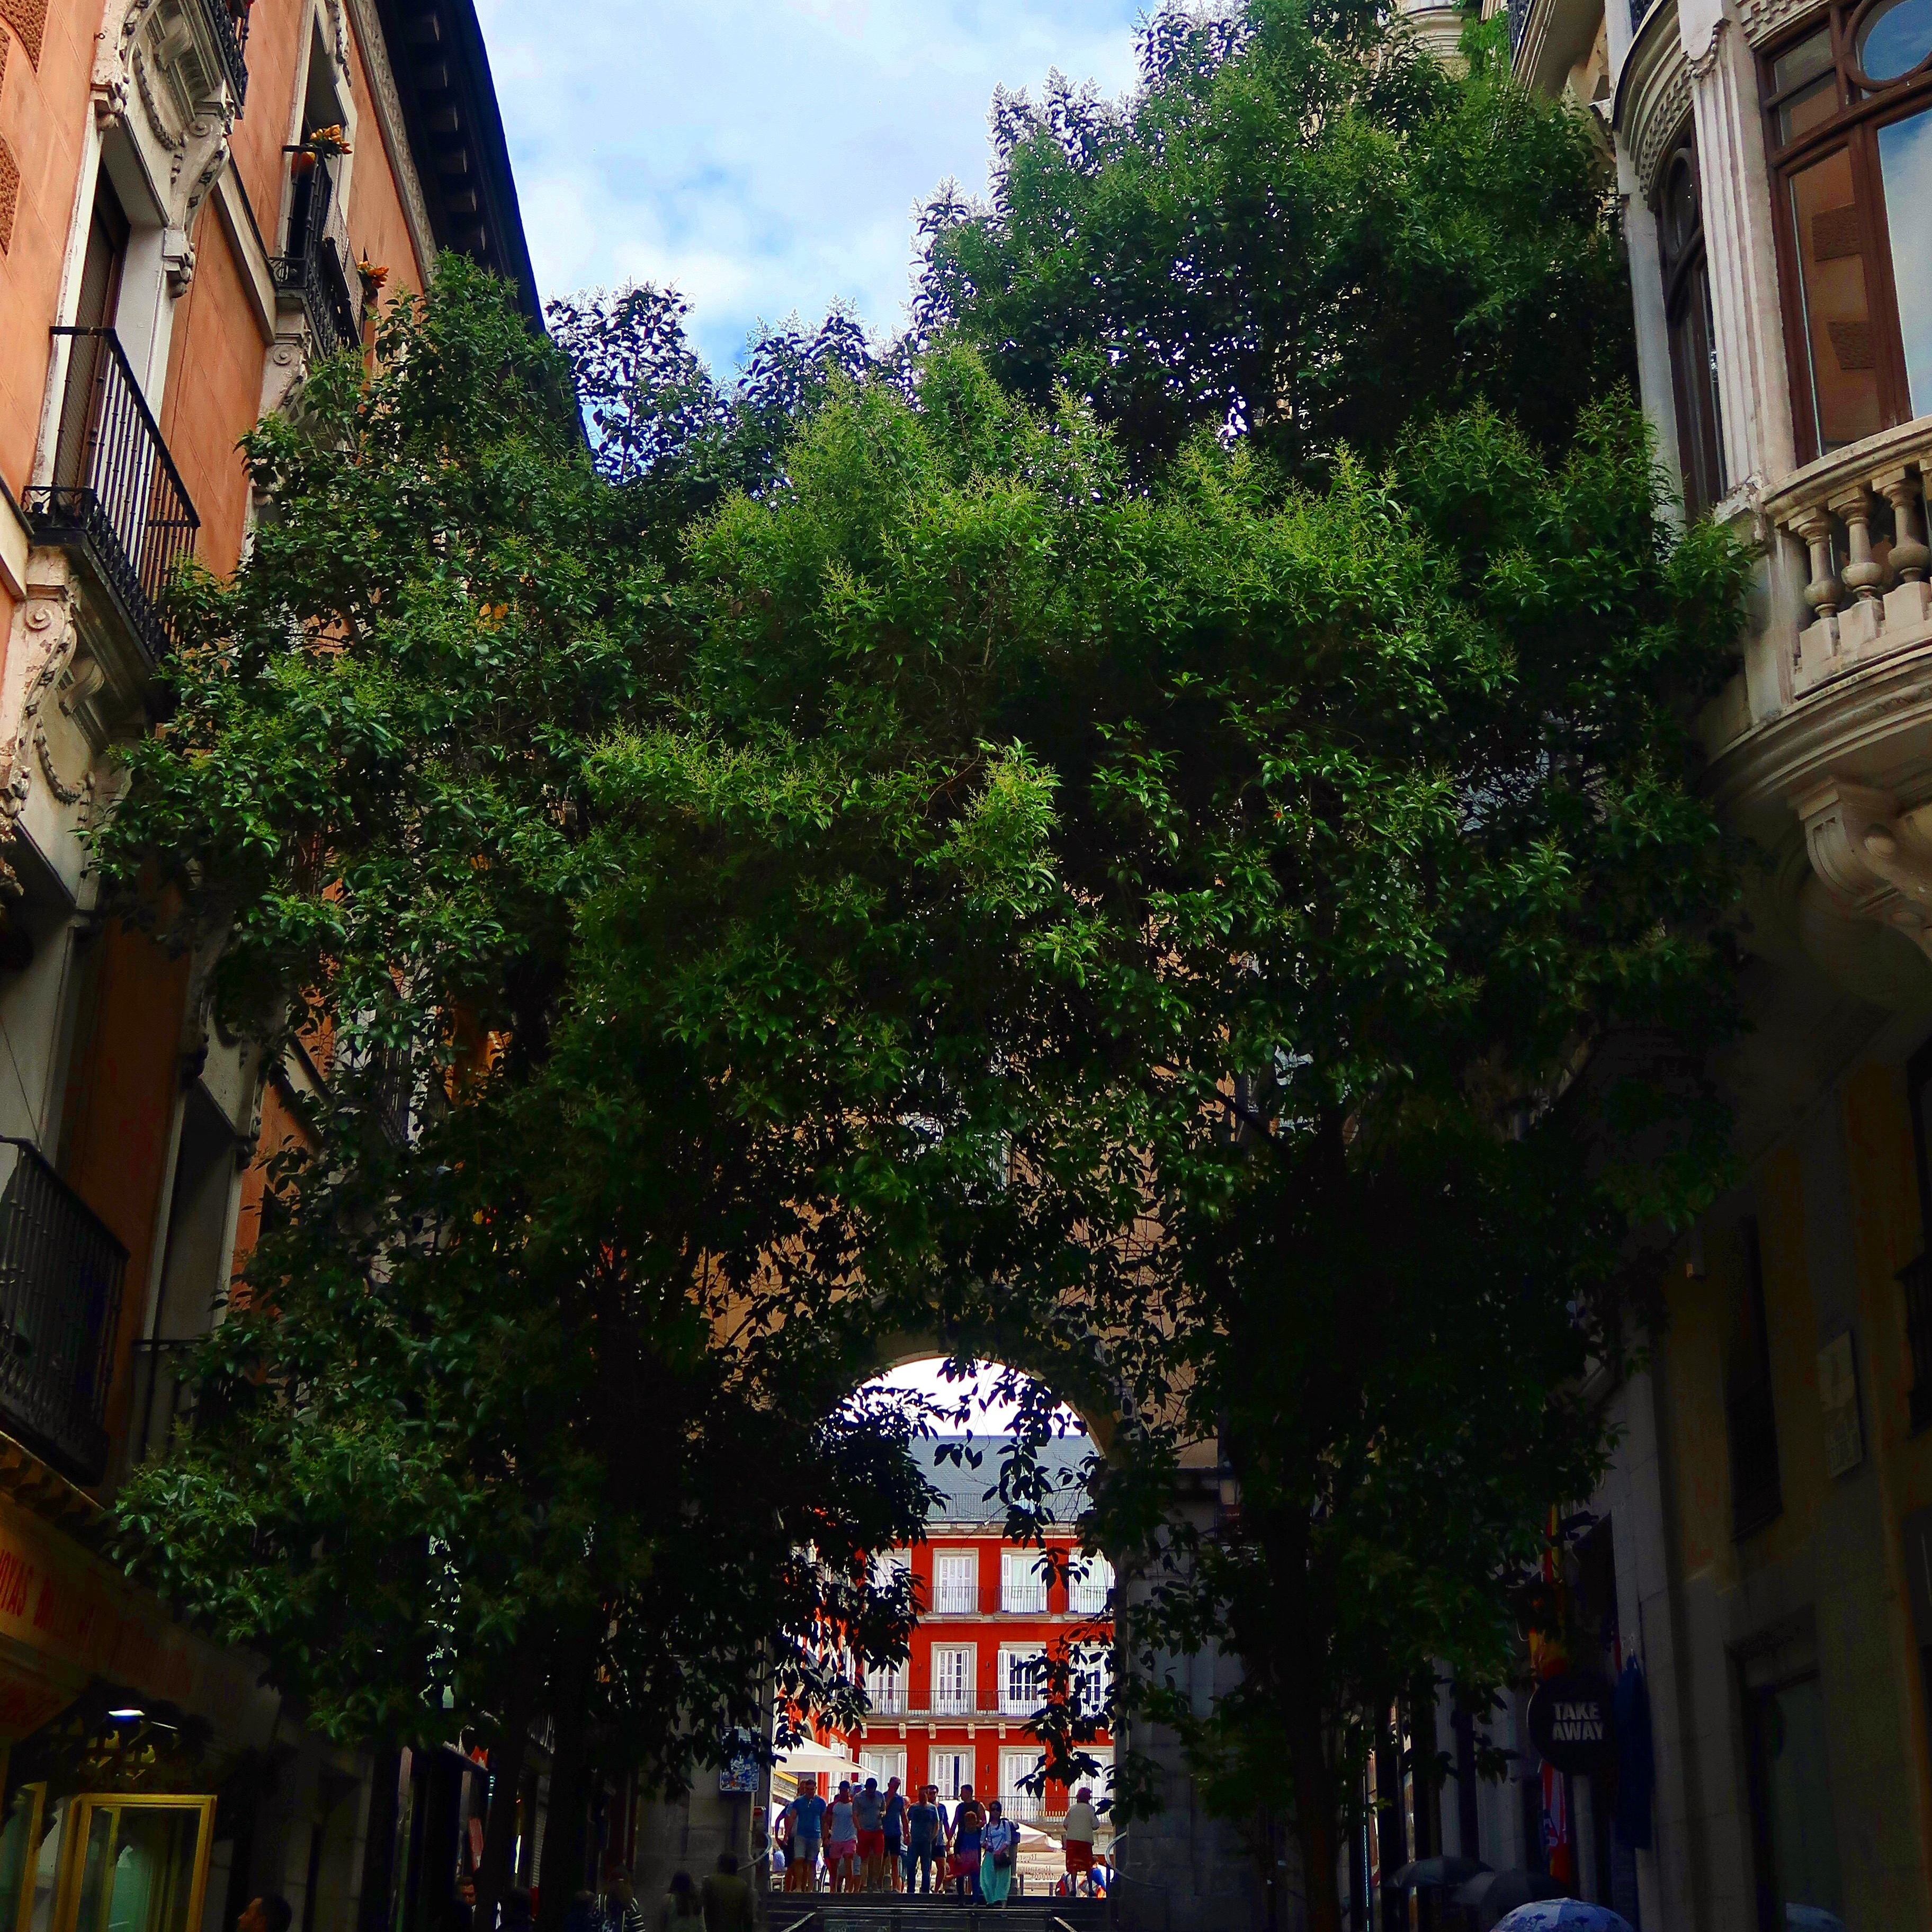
(807, 1812)
(727, 1898)
(1077, 1833)
(624, 1913)
(893, 1830)
(841, 1839)
(969, 1821)
(682, 1909)
(869, 1813)
(925, 1839)
(999, 1845)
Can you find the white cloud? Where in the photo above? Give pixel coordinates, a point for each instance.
(766, 156)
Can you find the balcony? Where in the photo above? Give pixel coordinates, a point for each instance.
(117, 502)
(315, 274)
(228, 27)
(61, 1274)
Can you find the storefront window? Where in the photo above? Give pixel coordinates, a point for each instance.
(103, 1863)
(1849, 118)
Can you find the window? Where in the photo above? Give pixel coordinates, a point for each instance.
(885, 1688)
(949, 1770)
(1757, 1496)
(1022, 1683)
(1015, 1767)
(889, 1566)
(1093, 1680)
(884, 1766)
(1686, 307)
(1848, 110)
(952, 1680)
(955, 1582)
(1091, 1586)
(1022, 1588)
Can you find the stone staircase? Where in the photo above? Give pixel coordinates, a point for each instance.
(792, 1912)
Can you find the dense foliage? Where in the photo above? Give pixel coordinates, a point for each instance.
(1295, 227)
(1150, 834)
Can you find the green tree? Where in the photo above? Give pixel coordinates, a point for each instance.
(534, 1400)
(1353, 989)
(1298, 227)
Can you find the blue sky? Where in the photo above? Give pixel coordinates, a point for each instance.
(765, 156)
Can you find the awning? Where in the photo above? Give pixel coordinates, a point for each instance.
(811, 1759)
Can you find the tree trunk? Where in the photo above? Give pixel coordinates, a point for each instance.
(506, 1779)
(1314, 1821)
(561, 1869)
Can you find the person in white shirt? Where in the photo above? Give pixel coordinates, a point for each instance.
(1082, 1826)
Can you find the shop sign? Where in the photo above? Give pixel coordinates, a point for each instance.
(1570, 1721)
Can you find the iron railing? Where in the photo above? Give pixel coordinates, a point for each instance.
(164, 1391)
(60, 1274)
(1916, 1278)
(228, 22)
(116, 496)
(313, 270)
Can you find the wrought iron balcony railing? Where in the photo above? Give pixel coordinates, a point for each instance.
(60, 1274)
(314, 271)
(228, 22)
(116, 498)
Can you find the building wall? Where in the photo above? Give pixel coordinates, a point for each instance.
(44, 121)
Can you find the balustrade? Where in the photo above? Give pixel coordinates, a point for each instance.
(1859, 519)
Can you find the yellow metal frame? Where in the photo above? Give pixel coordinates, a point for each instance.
(23, 1899)
(74, 1857)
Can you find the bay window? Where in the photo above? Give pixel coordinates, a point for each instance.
(1848, 108)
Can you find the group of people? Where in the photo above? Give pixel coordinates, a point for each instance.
(723, 1904)
(875, 1840)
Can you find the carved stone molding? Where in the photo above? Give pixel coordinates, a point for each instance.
(1764, 19)
(1875, 861)
(45, 637)
(1654, 97)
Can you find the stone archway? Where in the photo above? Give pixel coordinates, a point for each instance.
(1179, 1870)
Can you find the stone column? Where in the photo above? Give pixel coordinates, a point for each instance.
(1754, 392)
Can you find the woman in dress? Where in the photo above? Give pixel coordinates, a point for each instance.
(999, 1845)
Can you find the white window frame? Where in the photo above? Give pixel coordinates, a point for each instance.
(1090, 1586)
(958, 1703)
(886, 1689)
(1021, 1679)
(955, 1582)
(885, 1765)
(959, 1763)
(1022, 1590)
(1092, 1679)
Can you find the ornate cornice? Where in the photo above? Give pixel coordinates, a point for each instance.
(1653, 101)
(1764, 20)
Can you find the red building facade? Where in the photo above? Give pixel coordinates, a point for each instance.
(956, 1712)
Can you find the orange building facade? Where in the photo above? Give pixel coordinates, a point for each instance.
(955, 1712)
(189, 192)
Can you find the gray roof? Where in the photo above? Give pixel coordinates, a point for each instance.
(962, 1488)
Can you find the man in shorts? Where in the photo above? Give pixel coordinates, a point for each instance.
(1082, 1826)
(808, 1827)
(868, 1813)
